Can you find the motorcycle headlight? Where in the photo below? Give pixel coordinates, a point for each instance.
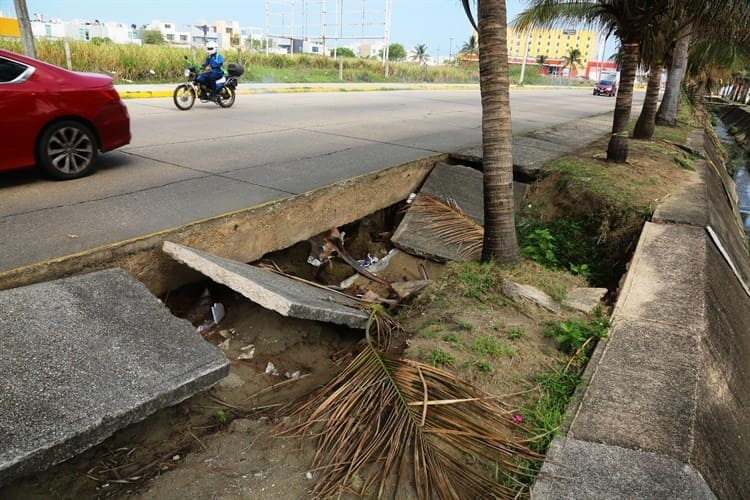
(187, 72)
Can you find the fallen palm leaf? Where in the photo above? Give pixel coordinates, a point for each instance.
(450, 224)
(379, 424)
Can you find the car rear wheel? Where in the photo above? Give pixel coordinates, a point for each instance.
(67, 150)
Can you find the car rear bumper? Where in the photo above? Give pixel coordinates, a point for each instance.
(113, 125)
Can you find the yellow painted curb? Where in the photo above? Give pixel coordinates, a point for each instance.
(139, 94)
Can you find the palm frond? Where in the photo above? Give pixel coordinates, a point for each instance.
(445, 219)
(385, 420)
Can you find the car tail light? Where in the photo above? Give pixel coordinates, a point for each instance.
(111, 94)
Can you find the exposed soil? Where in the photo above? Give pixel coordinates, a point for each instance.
(219, 444)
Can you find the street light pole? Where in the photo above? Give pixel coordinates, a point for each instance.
(525, 54)
(24, 26)
(450, 49)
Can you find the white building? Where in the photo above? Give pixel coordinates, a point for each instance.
(170, 33)
(78, 29)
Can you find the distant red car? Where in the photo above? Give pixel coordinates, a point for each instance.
(57, 119)
(606, 87)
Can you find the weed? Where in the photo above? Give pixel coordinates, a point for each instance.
(480, 364)
(221, 416)
(438, 357)
(684, 163)
(477, 281)
(464, 326)
(517, 332)
(540, 246)
(572, 334)
(489, 346)
(452, 339)
(582, 270)
(546, 417)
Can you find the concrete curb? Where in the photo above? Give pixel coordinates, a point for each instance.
(151, 93)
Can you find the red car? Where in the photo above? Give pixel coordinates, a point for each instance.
(606, 87)
(56, 119)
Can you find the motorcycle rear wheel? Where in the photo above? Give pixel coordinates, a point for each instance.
(226, 97)
(184, 97)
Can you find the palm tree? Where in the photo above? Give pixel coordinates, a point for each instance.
(500, 243)
(419, 53)
(628, 20)
(572, 60)
(472, 46)
(541, 59)
(653, 54)
(723, 23)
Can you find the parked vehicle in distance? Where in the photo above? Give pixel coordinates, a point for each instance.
(56, 119)
(606, 87)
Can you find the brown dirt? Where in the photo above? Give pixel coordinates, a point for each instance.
(219, 444)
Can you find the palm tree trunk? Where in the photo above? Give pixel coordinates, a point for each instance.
(500, 242)
(644, 127)
(617, 151)
(670, 103)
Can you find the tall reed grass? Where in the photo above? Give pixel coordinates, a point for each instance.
(159, 63)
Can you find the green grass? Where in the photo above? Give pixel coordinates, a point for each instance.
(467, 327)
(452, 339)
(548, 414)
(517, 332)
(489, 346)
(481, 365)
(438, 357)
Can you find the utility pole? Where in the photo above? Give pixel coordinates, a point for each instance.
(24, 26)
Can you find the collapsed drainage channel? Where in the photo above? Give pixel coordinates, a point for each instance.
(322, 348)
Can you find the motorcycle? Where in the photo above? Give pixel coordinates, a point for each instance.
(185, 93)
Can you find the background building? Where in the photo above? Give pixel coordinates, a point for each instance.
(554, 45)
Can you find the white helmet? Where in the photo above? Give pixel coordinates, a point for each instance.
(211, 48)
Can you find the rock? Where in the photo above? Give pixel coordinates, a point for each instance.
(518, 291)
(406, 288)
(584, 299)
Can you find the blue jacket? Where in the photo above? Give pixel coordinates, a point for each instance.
(216, 61)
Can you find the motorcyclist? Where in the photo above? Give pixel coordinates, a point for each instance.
(212, 67)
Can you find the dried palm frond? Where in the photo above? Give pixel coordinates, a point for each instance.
(447, 221)
(385, 420)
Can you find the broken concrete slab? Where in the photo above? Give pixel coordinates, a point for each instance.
(528, 293)
(457, 182)
(82, 357)
(273, 291)
(584, 300)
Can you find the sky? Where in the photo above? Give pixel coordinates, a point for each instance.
(439, 24)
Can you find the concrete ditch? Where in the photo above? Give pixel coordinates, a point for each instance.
(663, 410)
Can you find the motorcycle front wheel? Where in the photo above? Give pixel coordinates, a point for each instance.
(226, 97)
(184, 97)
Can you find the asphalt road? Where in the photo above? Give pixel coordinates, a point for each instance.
(184, 166)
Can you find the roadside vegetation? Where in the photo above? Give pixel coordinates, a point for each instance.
(163, 64)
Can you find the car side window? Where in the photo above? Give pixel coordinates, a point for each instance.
(11, 71)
